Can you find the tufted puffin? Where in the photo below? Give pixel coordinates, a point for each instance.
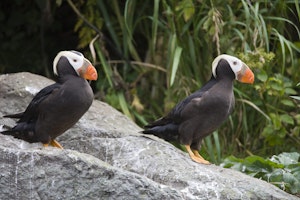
(199, 114)
(57, 107)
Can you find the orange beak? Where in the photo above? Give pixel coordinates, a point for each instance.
(88, 71)
(245, 75)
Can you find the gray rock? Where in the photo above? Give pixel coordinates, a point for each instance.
(35, 173)
(106, 157)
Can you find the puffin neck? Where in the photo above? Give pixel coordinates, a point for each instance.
(224, 71)
(64, 68)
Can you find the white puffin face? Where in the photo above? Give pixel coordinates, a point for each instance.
(235, 64)
(75, 58)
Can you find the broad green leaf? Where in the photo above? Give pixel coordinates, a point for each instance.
(290, 91)
(287, 119)
(275, 175)
(286, 158)
(295, 169)
(268, 130)
(233, 159)
(282, 170)
(233, 163)
(289, 178)
(189, 10)
(276, 86)
(288, 102)
(262, 76)
(257, 163)
(292, 182)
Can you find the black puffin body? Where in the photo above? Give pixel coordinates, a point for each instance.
(59, 106)
(205, 110)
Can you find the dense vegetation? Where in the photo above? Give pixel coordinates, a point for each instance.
(282, 170)
(151, 54)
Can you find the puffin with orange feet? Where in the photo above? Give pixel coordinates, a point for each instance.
(57, 107)
(205, 110)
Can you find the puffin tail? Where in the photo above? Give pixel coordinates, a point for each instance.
(22, 131)
(12, 132)
(5, 130)
(168, 132)
(18, 115)
(8, 130)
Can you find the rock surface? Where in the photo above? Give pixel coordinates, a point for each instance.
(105, 157)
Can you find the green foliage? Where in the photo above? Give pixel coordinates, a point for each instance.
(282, 170)
(296, 97)
(273, 92)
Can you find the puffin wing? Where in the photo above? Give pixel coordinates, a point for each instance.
(25, 126)
(176, 114)
(32, 110)
(167, 127)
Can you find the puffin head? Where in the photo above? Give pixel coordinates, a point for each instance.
(241, 71)
(73, 62)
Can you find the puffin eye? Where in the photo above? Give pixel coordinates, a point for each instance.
(74, 60)
(234, 62)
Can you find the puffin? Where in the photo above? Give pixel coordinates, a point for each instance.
(201, 113)
(57, 107)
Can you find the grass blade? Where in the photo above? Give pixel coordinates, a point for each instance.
(124, 105)
(106, 67)
(176, 60)
(255, 107)
(218, 146)
(210, 149)
(154, 25)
